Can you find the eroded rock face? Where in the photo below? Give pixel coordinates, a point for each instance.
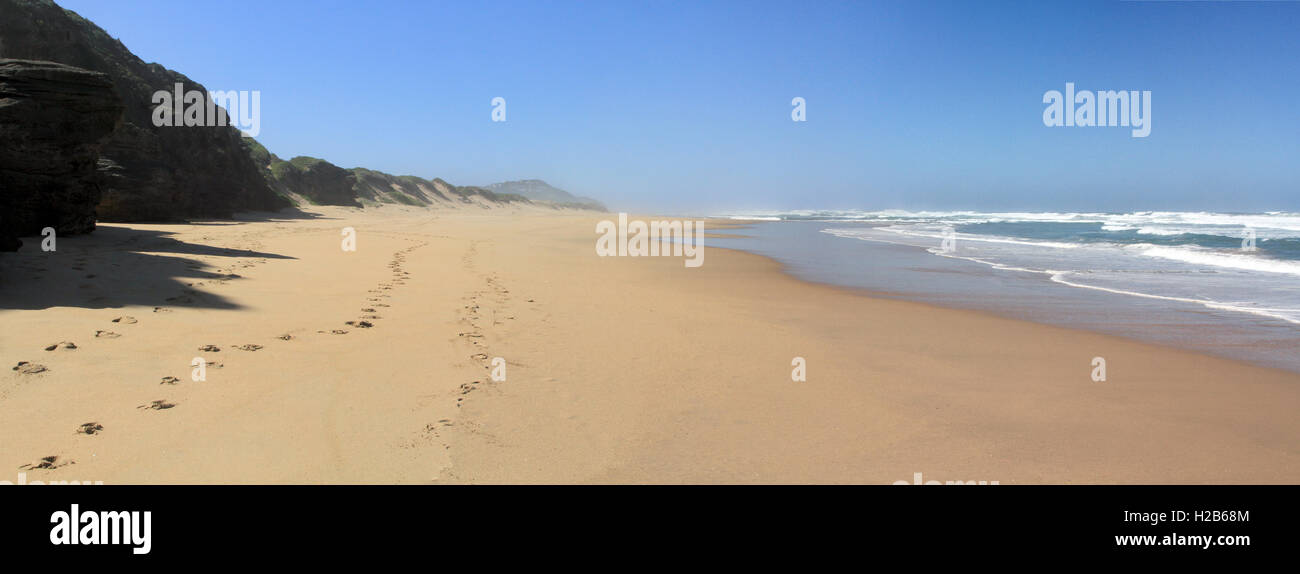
(54, 121)
(150, 173)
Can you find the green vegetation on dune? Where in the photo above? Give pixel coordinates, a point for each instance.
(303, 162)
(322, 182)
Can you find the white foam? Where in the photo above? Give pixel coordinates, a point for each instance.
(1288, 315)
(1220, 259)
(981, 238)
(1106, 253)
(1162, 231)
(1276, 224)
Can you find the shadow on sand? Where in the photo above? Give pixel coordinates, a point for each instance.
(115, 267)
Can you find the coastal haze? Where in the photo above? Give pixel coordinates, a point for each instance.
(480, 258)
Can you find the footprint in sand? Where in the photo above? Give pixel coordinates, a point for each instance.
(249, 347)
(169, 381)
(210, 349)
(126, 320)
(47, 463)
(90, 428)
(69, 345)
(159, 405)
(161, 310)
(26, 368)
(285, 337)
(361, 324)
(106, 335)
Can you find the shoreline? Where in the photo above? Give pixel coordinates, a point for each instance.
(993, 314)
(1033, 295)
(620, 370)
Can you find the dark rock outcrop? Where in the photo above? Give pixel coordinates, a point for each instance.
(150, 173)
(54, 119)
(163, 173)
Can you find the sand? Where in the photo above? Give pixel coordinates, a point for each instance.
(618, 370)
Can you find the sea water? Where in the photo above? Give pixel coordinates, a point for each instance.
(1186, 279)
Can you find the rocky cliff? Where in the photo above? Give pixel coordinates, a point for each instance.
(149, 173)
(80, 143)
(54, 119)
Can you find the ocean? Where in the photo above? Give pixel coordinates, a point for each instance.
(1187, 279)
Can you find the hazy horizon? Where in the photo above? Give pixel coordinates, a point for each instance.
(918, 106)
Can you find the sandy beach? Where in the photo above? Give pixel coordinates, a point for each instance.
(619, 369)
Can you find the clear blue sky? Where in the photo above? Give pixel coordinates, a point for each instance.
(686, 105)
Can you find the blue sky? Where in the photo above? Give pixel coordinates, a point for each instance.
(686, 105)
